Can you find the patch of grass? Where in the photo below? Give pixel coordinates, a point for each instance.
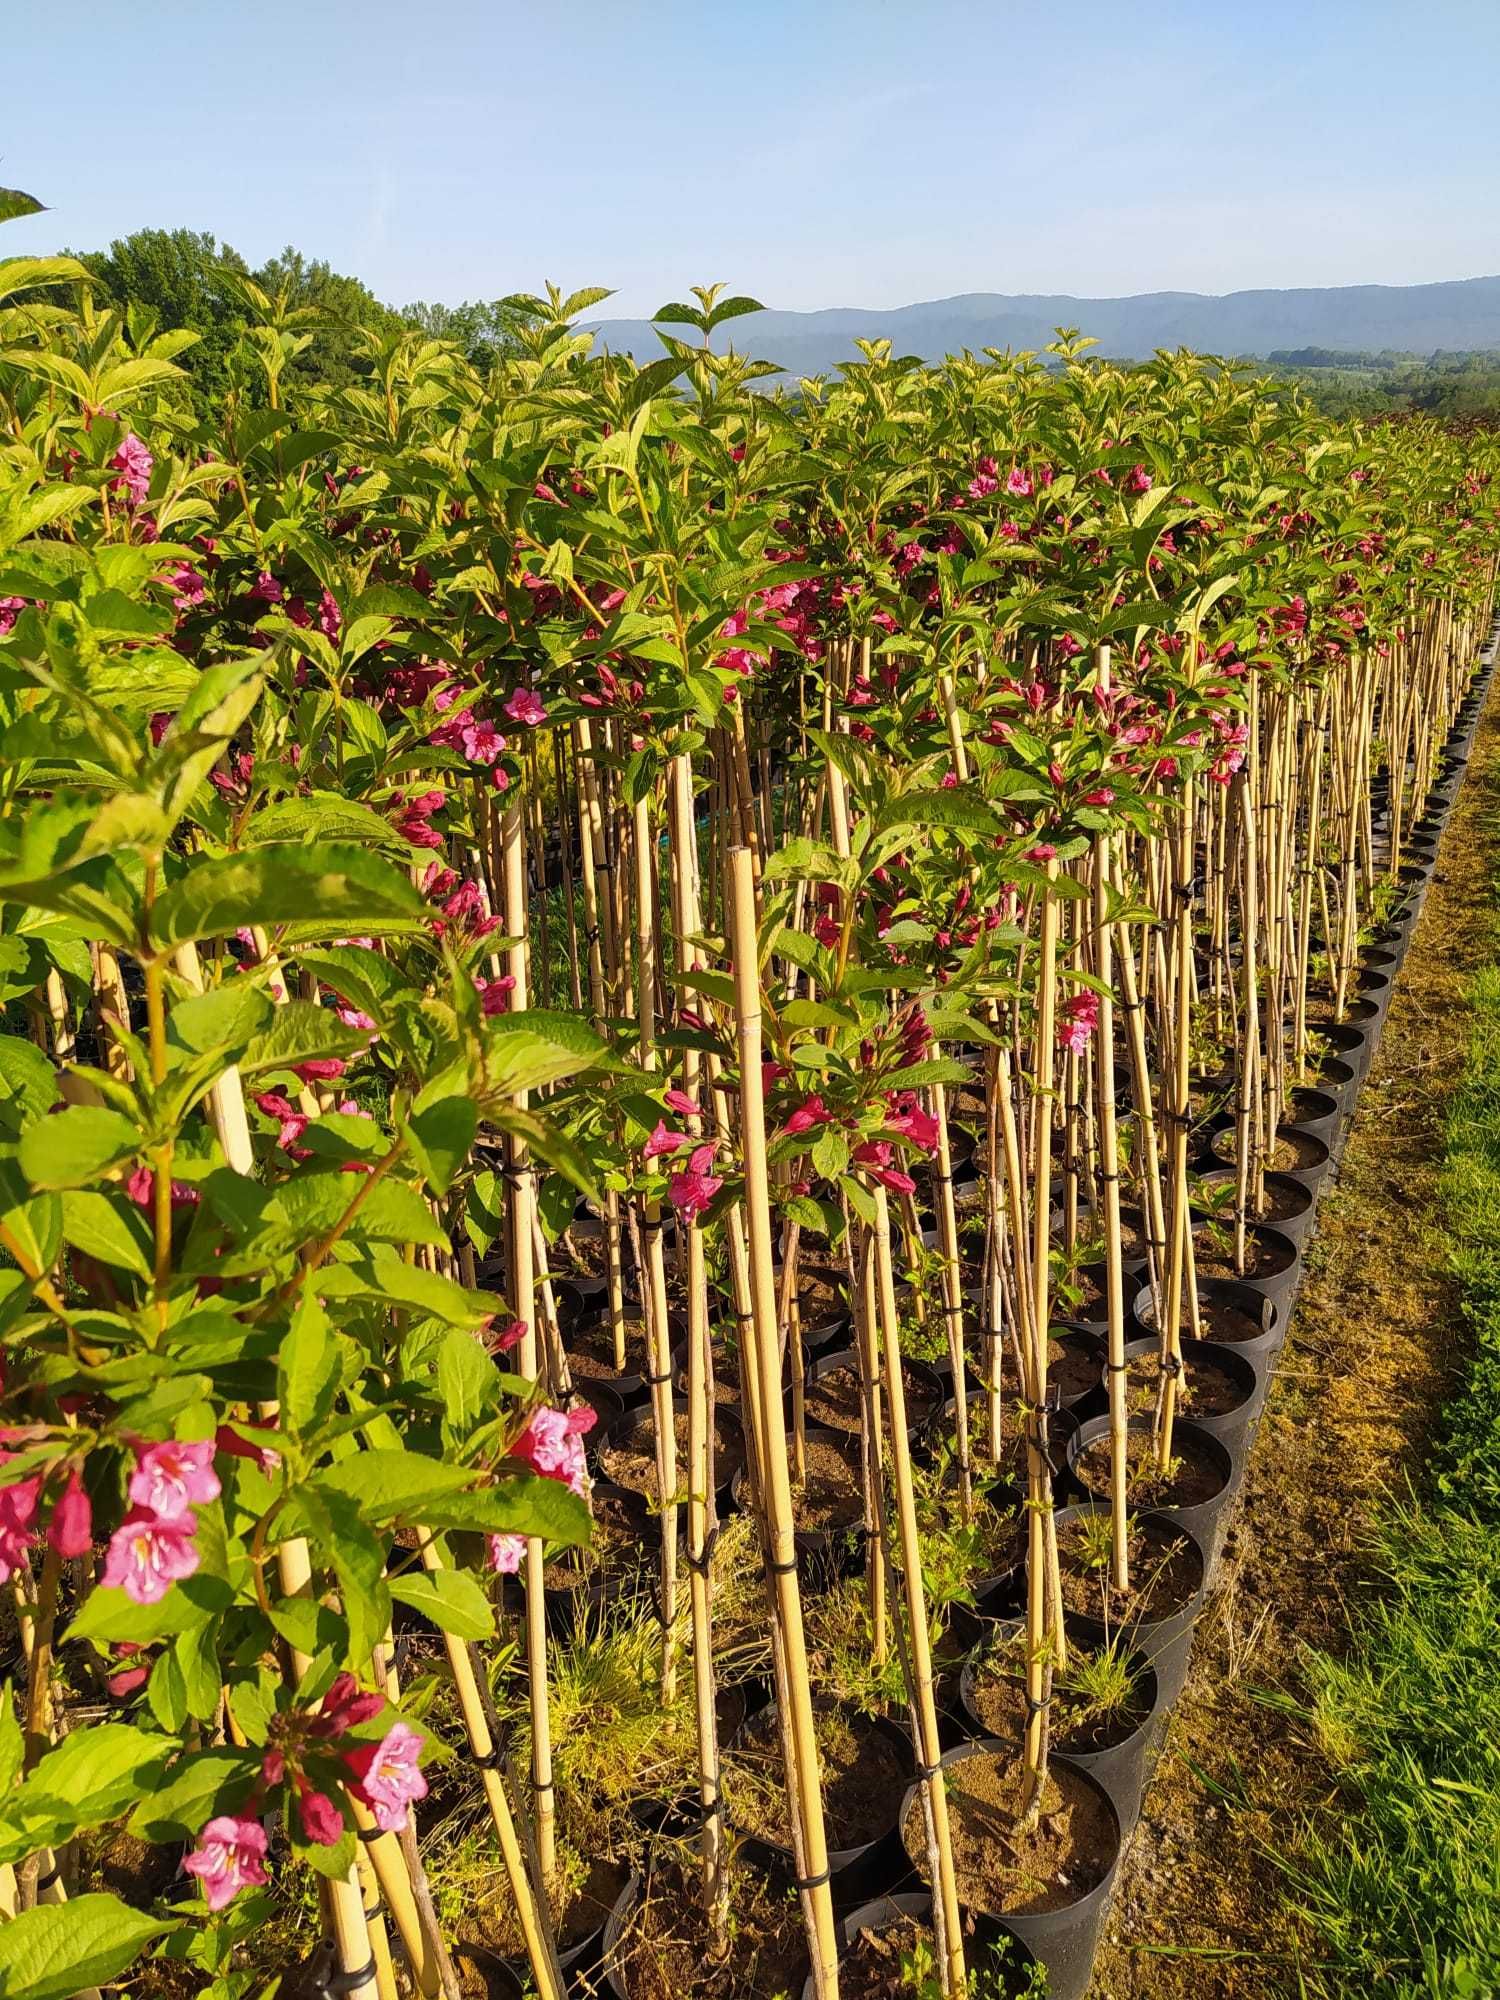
(1405, 1896)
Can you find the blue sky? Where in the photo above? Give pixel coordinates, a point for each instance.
(848, 152)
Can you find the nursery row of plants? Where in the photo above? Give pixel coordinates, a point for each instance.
(667, 1052)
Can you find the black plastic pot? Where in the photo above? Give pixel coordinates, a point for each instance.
(1250, 1383)
(1277, 1268)
(1064, 1941)
(1314, 1153)
(982, 1935)
(1203, 1517)
(838, 1546)
(1121, 1768)
(1166, 1640)
(1291, 1204)
(728, 1458)
(1236, 1315)
(855, 1873)
(1315, 1112)
(924, 1390)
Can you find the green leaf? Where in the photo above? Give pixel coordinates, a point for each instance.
(309, 1369)
(392, 1485)
(441, 1133)
(12, 1743)
(357, 1557)
(524, 1504)
(13, 203)
(451, 1599)
(526, 1050)
(299, 1032)
(203, 1784)
(336, 887)
(77, 1145)
(91, 1777)
(55, 1951)
(468, 1383)
(111, 1229)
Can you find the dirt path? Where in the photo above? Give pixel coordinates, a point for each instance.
(1199, 1913)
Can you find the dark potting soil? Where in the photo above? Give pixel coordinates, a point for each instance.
(1279, 1204)
(834, 1399)
(820, 1294)
(1165, 1570)
(1219, 1319)
(871, 1968)
(1072, 1367)
(864, 1775)
(1192, 1476)
(630, 1460)
(591, 1349)
(616, 1544)
(1206, 1389)
(998, 1696)
(1213, 1257)
(663, 1952)
(831, 1496)
(581, 1907)
(1292, 1152)
(1001, 1869)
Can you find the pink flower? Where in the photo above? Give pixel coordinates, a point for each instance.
(147, 1555)
(18, 1503)
(477, 740)
(353, 1018)
(345, 1706)
(134, 464)
(691, 1190)
(681, 1103)
(330, 618)
(386, 1775)
(10, 610)
(322, 1822)
(812, 1111)
(266, 588)
(507, 1553)
(552, 1445)
(140, 1185)
(1137, 480)
(321, 1069)
(662, 1141)
(71, 1529)
(230, 1856)
(1019, 483)
(1078, 1020)
(169, 1478)
(501, 1340)
(229, 1441)
(494, 994)
(525, 705)
(186, 585)
(908, 1118)
(292, 1122)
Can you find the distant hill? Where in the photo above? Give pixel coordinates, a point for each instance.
(1412, 319)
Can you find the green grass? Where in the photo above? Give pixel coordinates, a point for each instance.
(1405, 1897)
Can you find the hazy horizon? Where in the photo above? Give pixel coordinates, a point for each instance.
(861, 154)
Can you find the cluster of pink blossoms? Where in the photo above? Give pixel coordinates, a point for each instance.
(1077, 1020)
(384, 1776)
(69, 1531)
(552, 1446)
(155, 1546)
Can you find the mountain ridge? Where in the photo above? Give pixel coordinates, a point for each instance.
(1454, 314)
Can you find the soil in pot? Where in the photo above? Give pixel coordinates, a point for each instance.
(582, 1894)
(1207, 1389)
(1282, 1201)
(663, 1951)
(898, 1961)
(1219, 1319)
(1213, 1253)
(1291, 1153)
(591, 1350)
(1165, 1568)
(1073, 1361)
(831, 1496)
(616, 1546)
(1194, 1474)
(630, 1458)
(1096, 1705)
(864, 1774)
(834, 1398)
(1005, 1871)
